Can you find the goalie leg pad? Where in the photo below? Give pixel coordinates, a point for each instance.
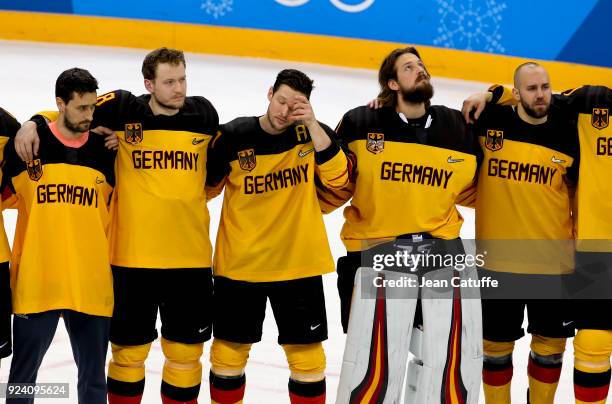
(415, 366)
(378, 338)
(452, 341)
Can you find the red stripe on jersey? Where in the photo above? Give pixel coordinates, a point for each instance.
(6, 193)
(343, 173)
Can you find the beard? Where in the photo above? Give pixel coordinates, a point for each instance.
(76, 127)
(535, 113)
(421, 92)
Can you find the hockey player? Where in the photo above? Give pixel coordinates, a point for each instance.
(60, 265)
(160, 248)
(8, 129)
(412, 162)
(272, 242)
(529, 155)
(589, 107)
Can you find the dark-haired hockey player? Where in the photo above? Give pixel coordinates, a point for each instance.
(160, 248)
(60, 265)
(272, 242)
(8, 128)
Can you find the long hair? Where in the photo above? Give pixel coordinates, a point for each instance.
(387, 71)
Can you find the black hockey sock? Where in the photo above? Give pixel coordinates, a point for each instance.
(307, 392)
(591, 387)
(227, 389)
(124, 392)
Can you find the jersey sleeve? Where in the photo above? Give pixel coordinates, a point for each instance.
(10, 168)
(50, 116)
(332, 164)
(585, 98)
(8, 124)
(217, 163)
(467, 197)
(208, 111)
(8, 129)
(502, 95)
(591, 100)
(109, 165)
(108, 107)
(331, 198)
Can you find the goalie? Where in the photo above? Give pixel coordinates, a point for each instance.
(412, 163)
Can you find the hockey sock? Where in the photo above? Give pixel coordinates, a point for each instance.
(176, 395)
(227, 389)
(497, 371)
(544, 373)
(591, 388)
(307, 392)
(592, 365)
(126, 374)
(544, 368)
(182, 373)
(124, 392)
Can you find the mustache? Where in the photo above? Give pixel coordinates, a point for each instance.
(422, 76)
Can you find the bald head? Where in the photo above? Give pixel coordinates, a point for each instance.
(528, 68)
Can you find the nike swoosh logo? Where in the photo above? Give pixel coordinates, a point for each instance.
(99, 181)
(452, 160)
(3, 345)
(302, 153)
(196, 141)
(556, 160)
(312, 328)
(201, 330)
(565, 324)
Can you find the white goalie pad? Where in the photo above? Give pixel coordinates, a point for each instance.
(451, 356)
(378, 337)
